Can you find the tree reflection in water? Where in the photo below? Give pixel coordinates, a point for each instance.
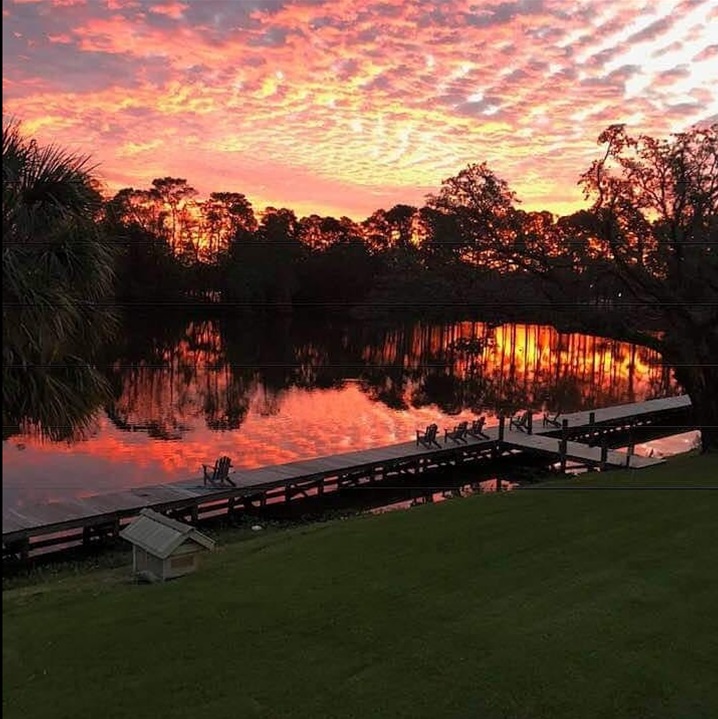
(221, 370)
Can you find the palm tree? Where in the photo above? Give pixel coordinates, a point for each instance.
(57, 278)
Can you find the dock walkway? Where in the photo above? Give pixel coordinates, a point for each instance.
(102, 514)
(577, 451)
(633, 413)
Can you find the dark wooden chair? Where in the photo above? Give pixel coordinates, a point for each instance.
(477, 428)
(428, 436)
(553, 421)
(521, 421)
(458, 434)
(218, 473)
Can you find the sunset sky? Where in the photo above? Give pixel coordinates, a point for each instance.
(345, 106)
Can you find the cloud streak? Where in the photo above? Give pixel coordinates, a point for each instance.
(344, 107)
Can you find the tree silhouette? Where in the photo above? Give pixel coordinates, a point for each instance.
(172, 192)
(442, 240)
(57, 277)
(147, 270)
(320, 233)
(400, 219)
(483, 206)
(655, 212)
(226, 215)
(377, 231)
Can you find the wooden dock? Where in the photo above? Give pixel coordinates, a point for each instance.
(578, 452)
(39, 527)
(634, 413)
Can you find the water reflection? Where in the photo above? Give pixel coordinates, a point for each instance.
(186, 392)
(220, 372)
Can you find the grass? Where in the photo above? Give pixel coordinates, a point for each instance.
(527, 604)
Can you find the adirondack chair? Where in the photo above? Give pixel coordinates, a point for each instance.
(553, 421)
(458, 434)
(218, 473)
(428, 436)
(521, 421)
(477, 428)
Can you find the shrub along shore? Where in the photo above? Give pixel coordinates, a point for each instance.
(534, 603)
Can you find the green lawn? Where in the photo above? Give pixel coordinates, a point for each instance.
(526, 604)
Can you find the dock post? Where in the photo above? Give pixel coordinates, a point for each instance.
(21, 549)
(564, 429)
(604, 453)
(194, 514)
(531, 422)
(591, 418)
(563, 451)
(631, 449)
(496, 449)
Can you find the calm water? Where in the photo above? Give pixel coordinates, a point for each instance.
(187, 391)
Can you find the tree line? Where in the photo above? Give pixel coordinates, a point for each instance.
(173, 248)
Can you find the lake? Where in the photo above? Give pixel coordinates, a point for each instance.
(187, 390)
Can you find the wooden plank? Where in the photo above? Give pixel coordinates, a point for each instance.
(63, 511)
(36, 515)
(266, 477)
(159, 493)
(279, 470)
(46, 518)
(118, 501)
(110, 503)
(577, 451)
(622, 412)
(264, 474)
(328, 464)
(11, 524)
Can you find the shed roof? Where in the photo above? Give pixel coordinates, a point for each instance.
(160, 535)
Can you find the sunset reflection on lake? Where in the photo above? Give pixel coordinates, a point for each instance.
(217, 387)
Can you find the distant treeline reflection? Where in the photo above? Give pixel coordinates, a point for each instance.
(169, 374)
